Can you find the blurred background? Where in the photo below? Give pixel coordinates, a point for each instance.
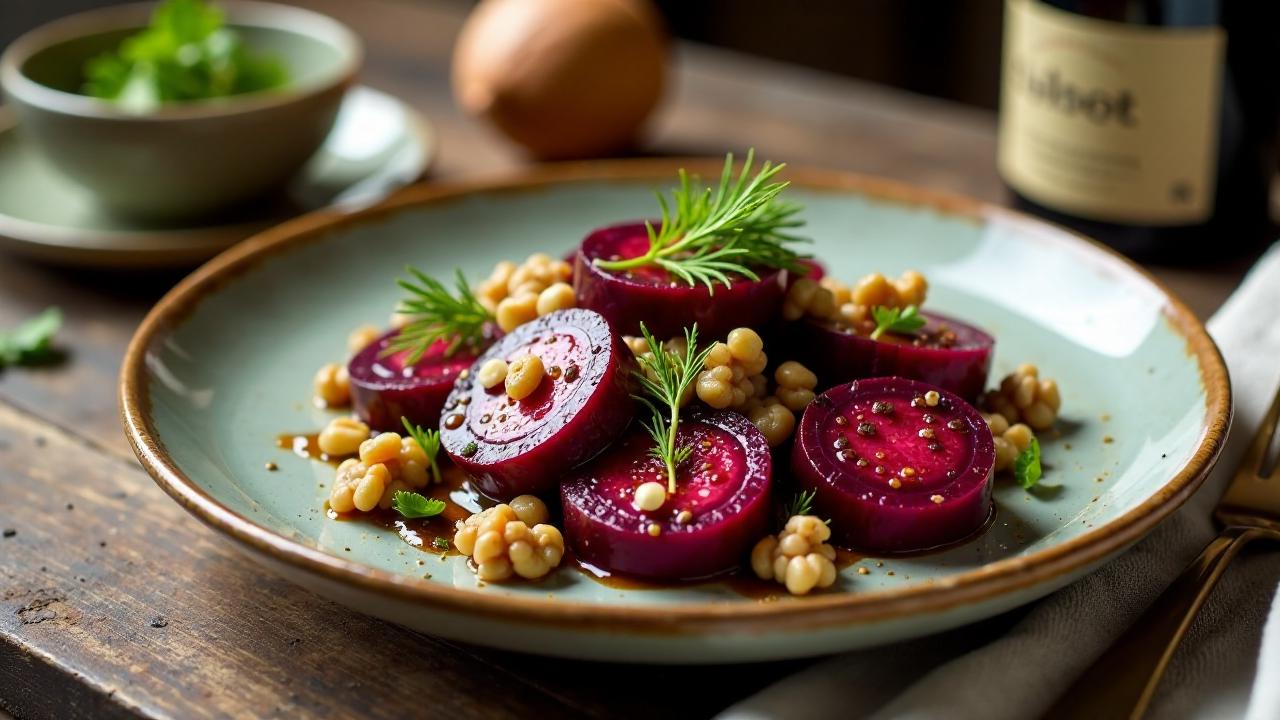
(947, 49)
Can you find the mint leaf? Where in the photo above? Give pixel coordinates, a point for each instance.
(31, 340)
(1026, 467)
(412, 505)
(896, 320)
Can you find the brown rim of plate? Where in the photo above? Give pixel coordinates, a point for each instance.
(989, 581)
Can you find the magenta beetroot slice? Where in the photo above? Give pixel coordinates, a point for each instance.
(724, 485)
(946, 352)
(583, 403)
(383, 388)
(893, 473)
(666, 304)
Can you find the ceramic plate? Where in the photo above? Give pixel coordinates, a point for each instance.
(223, 365)
(377, 144)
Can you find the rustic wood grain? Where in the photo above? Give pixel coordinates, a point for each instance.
(76, 615)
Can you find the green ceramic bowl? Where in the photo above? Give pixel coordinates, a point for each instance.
(188, 159)
(223, 365)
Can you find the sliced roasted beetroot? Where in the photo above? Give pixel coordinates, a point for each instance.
(724, 486)
(383, 388)
(583, 403)
(667, 305)
(946, 352)
(891, 471)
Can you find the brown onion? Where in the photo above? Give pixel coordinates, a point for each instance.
(563, 78)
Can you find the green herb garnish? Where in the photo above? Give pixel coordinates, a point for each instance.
(413, 505)
(438, 315)
(710, 234)
(429, 441)
(1026, 467)
(439, 543)
(186, 53)
(896, 320)
(801, 503)
(667, 376)
(31, 341)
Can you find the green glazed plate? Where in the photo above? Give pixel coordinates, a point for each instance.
(223, 365)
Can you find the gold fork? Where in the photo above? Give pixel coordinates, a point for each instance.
(1121, 683)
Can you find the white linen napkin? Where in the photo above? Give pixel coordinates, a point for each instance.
(1016, 665)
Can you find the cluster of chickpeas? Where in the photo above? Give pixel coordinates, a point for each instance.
(733, 371)
(1024, 397)
(386, 464)
(511, 538)
(733, 378)
(1010, 439)
(516, 294)
(798, 557)
(830, 299)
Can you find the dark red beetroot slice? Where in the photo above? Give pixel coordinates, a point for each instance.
(729, 502)
(383, 389)
(666, 305)
(961, 366)
(856, 441)
(583, 403)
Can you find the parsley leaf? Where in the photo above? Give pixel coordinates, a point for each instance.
(429, 441)
(439, 543)
(896, 320)
(186, 53)
(412, 505)
(30, 342)
(1026, 467)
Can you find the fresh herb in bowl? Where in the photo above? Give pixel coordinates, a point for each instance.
(186, 53)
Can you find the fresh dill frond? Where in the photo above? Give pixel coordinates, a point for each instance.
(429, 441)
(706, 235)
(436, 314)
(666, 377)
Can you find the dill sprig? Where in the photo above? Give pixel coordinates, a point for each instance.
(708, 234)
(801, 503)
(666, 376)
(429, 441)
(438, 315)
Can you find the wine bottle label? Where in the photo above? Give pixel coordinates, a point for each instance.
(1109, 121)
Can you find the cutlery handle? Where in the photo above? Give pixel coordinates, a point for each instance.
(1122, 681)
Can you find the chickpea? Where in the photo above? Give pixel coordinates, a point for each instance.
(333, 385)
(381, 448)
(362, 337)
(744, 344)
(512, 312)
(638, 345)
(493, 372)
(650, 496)
(342, 436)
(792, 374)
(524, 375)
(369, 488)
(775, 421)
(556, 297)
(529, 509)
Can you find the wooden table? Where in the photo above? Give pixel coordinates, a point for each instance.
(115, 603)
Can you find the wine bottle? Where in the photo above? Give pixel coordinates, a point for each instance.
(1147, 124)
